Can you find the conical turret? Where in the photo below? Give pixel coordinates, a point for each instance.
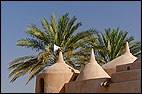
(126, 58)
(92, 70)
(54, 77)
(60, 66)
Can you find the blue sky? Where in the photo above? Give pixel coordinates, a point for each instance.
(15, 15)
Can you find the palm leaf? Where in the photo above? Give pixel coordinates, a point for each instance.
(20, 60)
(31, 43)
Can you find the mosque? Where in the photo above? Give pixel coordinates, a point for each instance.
(121, 75)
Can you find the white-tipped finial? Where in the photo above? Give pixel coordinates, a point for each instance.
(60, 59)
(56, 47)
(127, 50)
(92, 56)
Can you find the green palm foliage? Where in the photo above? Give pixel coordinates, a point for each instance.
(111, 44)
(62, 32)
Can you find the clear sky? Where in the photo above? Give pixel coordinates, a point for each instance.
(93, 14)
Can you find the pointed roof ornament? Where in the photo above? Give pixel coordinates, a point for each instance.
(60, 58)
(125, 58)
(60, 66)
(92, 56)
(92, 70)
(56, 47)
(127, 50)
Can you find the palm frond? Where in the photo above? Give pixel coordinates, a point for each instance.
(23, 66)
(35, 32)
(31, 43)
(19, 60)
(113, 44)
(36, 70)
(79, 36)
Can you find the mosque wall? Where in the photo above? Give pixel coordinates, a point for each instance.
(126, 75)
(53, 82)
(136, 65)
(117, 85)
(124, 67)
(86, 86)
(61, 78)
(123, 81)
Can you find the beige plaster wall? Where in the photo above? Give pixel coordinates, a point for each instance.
(120, 68)
(93, 86)
(110, 71)
(53, 82)
(86, 86)
(136, 65)
(121, 82)
(133, 86)
(126, 75)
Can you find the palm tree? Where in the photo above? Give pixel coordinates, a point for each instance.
(62, 33)
(111, 44)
